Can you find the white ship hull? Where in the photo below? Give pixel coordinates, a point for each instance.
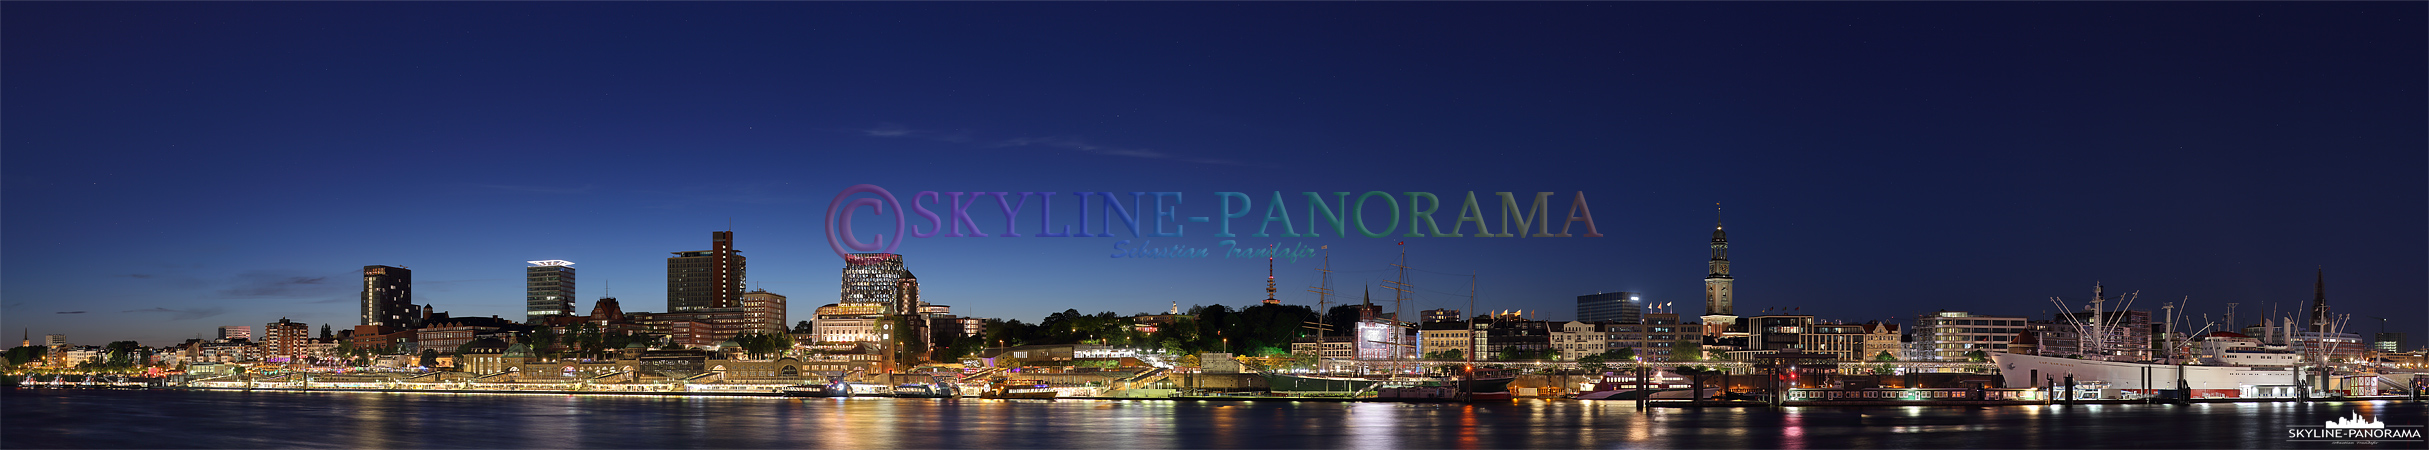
(2205, 381)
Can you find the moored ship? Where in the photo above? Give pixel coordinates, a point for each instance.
(2202, 381)
(1021, 389)
(815, 391)
(924, 391)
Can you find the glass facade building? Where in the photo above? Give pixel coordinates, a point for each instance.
(1614, 307)
(548, 289)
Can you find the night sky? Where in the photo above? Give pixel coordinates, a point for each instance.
(172, 168)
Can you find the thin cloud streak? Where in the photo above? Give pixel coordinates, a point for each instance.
(184, 314)
(892, 130)
(538, 189)
(266, 284)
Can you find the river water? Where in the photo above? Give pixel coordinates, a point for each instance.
(52, 418)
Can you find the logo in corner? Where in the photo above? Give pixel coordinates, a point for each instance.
(2356, 421)
(2355, 429)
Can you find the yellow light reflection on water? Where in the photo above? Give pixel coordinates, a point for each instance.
(1467, 425)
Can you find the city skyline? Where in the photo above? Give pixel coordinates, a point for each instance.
(186, 168)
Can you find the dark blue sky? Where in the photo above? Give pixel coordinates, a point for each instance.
(170, 168)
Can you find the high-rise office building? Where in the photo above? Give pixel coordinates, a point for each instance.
(548, 289)
(706, 278)
(54, 340)
(387, 295)
(1617, 307)
(880, 278)
(2388, 342)
(236, 332)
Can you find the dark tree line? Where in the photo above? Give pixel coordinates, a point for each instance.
(1257, 330)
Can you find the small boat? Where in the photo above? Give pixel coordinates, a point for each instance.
(815, 390)
(1656, 394)
(1018, 389)
(923, 391)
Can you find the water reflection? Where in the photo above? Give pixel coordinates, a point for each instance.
(122, 419)
(1792, 431)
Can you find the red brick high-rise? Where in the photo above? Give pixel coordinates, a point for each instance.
(704, 279)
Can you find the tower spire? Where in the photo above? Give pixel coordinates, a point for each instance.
(2319, 302)
(1719, 286)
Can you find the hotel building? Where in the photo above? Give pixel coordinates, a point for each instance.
(387, 296)
(548, 289)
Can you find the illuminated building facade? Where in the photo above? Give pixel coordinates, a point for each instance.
(1654, 339)
(1720, 292)
(1381, 340)
(548, 289)
(287, 339)
(1437, 336)
(1949, 335)
(1578, 339)
(387, 296)
(880, 278)
(848, 322)
(763, 312)
(1494, 334)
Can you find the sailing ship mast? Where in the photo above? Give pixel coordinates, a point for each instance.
(1464, 381)
(1324, 295)
(1400, 292)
